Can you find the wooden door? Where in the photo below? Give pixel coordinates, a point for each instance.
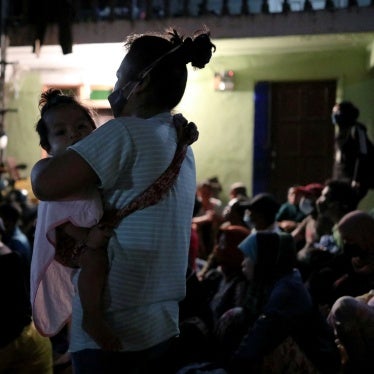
(301, 134)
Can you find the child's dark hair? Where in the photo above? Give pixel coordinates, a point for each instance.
(163, 57)
(51, 99)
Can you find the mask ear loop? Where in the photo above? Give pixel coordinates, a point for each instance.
(135, 86)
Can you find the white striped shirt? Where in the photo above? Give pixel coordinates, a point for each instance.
(149, 250)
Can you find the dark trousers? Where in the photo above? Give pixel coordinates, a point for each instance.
(157, 359)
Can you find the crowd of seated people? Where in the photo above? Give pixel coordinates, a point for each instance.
(275, 292)
(271, 286)
(309, 297)
(22, 348)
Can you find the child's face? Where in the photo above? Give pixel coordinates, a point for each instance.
(291, 196)
(66, 125)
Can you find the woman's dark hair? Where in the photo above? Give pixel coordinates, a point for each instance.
(51, 98)
(163, 57)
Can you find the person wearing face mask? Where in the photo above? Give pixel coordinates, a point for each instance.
(354, 151)
(260, 212)
(148, 250)
(325, 260)
(314, 225)
(306, 205)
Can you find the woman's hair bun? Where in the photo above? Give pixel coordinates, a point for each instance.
(197, 50)
(201, 50)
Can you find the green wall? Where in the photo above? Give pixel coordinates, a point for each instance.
(225, 119)
(23, 141)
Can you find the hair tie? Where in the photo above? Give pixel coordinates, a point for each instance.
(187, 50)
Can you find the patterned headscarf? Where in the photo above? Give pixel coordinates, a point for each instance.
(358, 227)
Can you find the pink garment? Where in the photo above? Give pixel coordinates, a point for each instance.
(51, 284)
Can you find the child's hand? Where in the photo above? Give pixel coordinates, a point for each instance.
(98, 236)
(187, 132)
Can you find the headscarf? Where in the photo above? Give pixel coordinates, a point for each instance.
(274, 255)
(249, 247)
(358, 227)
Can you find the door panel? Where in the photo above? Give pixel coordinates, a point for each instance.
(301, 134)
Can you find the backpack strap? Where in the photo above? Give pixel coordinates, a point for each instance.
(363, 151)
(362, 138)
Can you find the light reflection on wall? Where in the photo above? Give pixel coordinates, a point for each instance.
(89, 64)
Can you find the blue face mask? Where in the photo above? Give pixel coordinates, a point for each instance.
(306, 206)
(117, 101)
(336, 118)
(247, 219)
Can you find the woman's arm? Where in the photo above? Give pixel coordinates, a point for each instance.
(66, 176)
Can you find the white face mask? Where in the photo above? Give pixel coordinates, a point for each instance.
(117, 98)
(117, 101)
(306, 205)
(247, 219)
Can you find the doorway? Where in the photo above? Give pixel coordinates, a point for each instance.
(294, 136)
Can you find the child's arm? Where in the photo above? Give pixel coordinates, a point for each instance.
(79, 234)
(69, 239)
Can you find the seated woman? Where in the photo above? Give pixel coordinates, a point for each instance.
(356, 230)
(353, 321)
(279, 329)
(352, 314)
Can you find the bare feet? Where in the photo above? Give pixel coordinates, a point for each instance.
(101, 333)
